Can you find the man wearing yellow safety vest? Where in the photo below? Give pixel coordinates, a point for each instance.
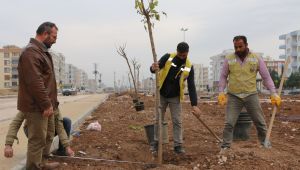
(174, 69)
(241, 69)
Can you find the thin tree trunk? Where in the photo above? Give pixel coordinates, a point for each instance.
(132, 78)
(157, 94)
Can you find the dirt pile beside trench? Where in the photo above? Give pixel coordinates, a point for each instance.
(123, 138)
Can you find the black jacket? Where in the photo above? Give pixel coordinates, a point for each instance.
(171, 87)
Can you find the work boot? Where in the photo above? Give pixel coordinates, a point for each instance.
(179, 149)
(50, 165)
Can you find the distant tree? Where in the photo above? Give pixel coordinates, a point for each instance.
(275, 77)
(293, 81)
(121, 52)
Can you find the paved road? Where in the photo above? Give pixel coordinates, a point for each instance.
(8, 106)
(72, 106)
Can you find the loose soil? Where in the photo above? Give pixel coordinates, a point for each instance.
(123, 138)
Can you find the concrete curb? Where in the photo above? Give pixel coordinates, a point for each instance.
(76, 124)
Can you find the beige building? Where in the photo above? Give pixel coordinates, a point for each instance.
(9, 58)
(81, 79)
(75, 77)
(92, 85)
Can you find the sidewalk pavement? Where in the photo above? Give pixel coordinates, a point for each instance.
(76, 110)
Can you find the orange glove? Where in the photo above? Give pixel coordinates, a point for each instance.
(275, 99)
(222, 99)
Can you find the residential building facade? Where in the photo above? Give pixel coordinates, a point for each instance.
(201, 77)
(291, 47)
(9, 58)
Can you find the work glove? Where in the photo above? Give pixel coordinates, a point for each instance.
(275, 99)
(222, 99)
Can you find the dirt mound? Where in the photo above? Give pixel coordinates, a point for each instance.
(123, 139)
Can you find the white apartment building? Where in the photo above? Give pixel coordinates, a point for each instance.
(59, 67)
(70, 77)
(216, 66)
(201, 77)
(291, 47)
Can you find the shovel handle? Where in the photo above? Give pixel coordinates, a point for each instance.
(275, 107)
(198, 117)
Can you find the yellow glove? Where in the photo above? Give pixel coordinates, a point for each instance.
(222, 99)
(275, 99)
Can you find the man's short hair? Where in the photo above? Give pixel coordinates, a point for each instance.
(183, 47)
(240, 37)
(45, 27)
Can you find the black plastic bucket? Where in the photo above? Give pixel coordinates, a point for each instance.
(242, 127)
(135, 101)
(139, 106)
(149, 129)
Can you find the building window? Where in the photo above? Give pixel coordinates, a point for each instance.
(16, 54)
(6, 84)
(14, 76)
(6, 55)
(15, 61)
(6, 62)
(6, 70)
(7, 77)
(14, 69)
(14, 84)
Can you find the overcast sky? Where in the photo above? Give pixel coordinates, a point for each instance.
(89, 30)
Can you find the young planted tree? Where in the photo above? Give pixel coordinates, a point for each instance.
(121, 52)
(134, 64)
(149, 15)
(138, 66)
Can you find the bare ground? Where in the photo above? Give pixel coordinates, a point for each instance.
(123, 138)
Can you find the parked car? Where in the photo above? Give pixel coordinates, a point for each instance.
(68, 92)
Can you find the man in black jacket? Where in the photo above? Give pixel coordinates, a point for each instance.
(174, 69)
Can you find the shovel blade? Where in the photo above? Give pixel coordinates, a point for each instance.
(267, 144)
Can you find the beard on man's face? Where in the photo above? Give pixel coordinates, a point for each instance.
(47, 42)
(242, 53)
(48, 45)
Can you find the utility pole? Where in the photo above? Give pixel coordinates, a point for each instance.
(184, 30)
(95, 72)
(100, 75)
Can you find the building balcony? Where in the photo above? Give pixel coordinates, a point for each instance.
(282, 47)
(282, 56)
(282, 37)
(294, 43)
(294, 64)
(294, 53)
(294, 33)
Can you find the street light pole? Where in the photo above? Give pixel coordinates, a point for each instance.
(184, 30)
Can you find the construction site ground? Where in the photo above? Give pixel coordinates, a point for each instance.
(123, 138)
